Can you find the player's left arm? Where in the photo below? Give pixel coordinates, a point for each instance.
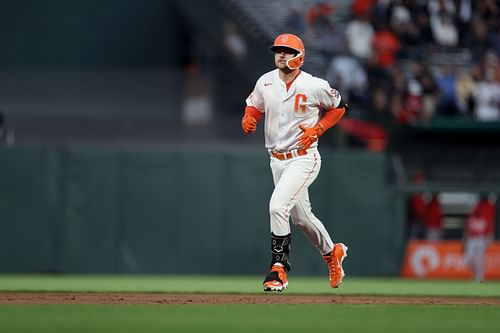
(335, 109)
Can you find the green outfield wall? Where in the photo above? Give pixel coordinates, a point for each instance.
(185, 211)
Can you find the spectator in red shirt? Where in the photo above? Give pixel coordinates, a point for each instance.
(385, 46)
(479, 233)
(434, 219)
(417, 209)
(362, 7)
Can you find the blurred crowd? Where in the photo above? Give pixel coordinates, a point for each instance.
(409, 61)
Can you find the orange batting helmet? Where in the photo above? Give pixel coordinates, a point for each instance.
(292, 42)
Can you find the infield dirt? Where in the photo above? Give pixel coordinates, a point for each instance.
(275, 298)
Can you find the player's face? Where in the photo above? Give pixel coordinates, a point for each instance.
(281, 55)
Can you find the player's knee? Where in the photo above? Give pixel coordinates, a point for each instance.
(277, 209)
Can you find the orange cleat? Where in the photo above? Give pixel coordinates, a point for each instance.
(276, 280)
(334, 262)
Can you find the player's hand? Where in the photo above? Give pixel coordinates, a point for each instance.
(309, 135)
(248, 124)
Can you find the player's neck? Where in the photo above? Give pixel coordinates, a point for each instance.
(288, 75)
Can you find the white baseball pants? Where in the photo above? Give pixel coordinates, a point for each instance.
(290, 198)
(475, 253)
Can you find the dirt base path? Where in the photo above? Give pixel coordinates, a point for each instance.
(275, 298)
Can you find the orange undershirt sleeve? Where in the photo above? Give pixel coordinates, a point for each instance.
(331, 117)
(254, 112)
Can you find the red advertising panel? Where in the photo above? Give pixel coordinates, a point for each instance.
(445, 259)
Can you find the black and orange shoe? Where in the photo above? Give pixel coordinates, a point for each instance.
(276, 280)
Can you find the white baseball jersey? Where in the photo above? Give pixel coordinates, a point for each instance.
(286, 110)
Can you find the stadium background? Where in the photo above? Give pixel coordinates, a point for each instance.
(123, 151)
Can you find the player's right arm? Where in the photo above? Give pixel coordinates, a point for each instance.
(253, 110)
(250, 119)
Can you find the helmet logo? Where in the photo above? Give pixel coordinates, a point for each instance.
(284, 38)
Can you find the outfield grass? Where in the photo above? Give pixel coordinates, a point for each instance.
(247, 317)
(246, 285)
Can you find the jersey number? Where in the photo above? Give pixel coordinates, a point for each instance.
(300, 102)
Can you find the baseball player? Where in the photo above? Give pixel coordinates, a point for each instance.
(479, 232)
(298, 108)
